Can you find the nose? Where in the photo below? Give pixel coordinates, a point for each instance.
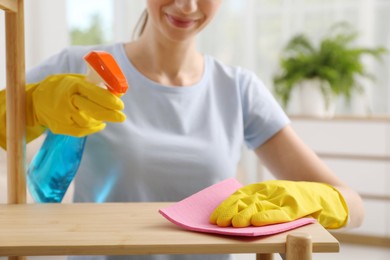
(186, 6)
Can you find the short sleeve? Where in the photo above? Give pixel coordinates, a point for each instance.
(69, 60)
(263, 116)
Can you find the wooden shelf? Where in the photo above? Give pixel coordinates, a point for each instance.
(106, 229)
(369, 118)
(9, 5)
(125, 229)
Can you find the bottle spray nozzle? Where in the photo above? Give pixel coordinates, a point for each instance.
(103, 68)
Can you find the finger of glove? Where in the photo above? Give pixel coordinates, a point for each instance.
(77, 131)
(100, 96)
(272, 216)
(219, 211)
(83, 120)
(225, 217)
(96, 111)
(244, 216)
(223, 207)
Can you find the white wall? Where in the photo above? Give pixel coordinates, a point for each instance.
(45, 32)
(126, 13)
(46, 29)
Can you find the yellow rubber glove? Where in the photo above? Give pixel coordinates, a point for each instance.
(32, 132)
(66, 104)
(69, 104)
(279, 201)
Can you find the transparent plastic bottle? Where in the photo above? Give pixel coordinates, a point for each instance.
(56, 163)
(54, 166)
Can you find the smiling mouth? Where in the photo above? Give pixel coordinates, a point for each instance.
(177, 22)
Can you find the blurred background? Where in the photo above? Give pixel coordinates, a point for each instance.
(354, 140)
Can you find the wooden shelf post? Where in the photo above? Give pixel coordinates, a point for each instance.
(298, 246)
(15, 99)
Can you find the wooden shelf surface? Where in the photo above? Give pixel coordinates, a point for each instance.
(9, 5)
(124, 229)
(348, 118)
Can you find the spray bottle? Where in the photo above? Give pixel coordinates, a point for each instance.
(55, 165)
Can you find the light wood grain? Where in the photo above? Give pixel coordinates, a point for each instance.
(368, 118)
(264, 257)
(15, 99)
(298, 246)
(9, 5)
(125, 228)
(362, 239)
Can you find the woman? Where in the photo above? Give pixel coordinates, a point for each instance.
(187, 115)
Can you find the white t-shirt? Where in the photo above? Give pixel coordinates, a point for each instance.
(175, 140)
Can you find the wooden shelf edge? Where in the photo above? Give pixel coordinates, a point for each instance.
(9, 5)
(367, 118)
(362, 239)
(355, 157)
(125, 229)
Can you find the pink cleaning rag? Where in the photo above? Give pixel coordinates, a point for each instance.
(193, 213)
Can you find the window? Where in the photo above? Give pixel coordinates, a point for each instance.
(252, 33)
(90, 21)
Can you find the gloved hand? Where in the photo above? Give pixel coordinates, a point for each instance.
(69, 104)
(32, 132)
(279, 201)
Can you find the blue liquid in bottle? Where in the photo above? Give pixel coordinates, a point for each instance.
(54, 166)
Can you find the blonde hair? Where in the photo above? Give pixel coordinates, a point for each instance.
(140, 26)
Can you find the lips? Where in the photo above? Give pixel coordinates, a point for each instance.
(180, 22)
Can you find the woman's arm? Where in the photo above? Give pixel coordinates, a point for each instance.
(288, 158)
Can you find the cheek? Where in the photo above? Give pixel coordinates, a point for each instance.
(154, 8)
(209, 7)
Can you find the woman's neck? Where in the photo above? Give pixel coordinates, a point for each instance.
(168, 63)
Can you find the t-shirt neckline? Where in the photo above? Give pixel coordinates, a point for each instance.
(159, 87)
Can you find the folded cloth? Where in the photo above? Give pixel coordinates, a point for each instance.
(193, 213)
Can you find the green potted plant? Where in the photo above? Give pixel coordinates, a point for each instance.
(332, 67)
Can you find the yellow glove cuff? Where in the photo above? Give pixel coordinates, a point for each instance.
(342, 212)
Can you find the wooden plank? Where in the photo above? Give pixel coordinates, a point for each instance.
(298, 247)
(356, 157)
(264, 257)
(385, 198)
(362, 239)
(15, 99)
(125, 228)
(9, 5)
(368, 118)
